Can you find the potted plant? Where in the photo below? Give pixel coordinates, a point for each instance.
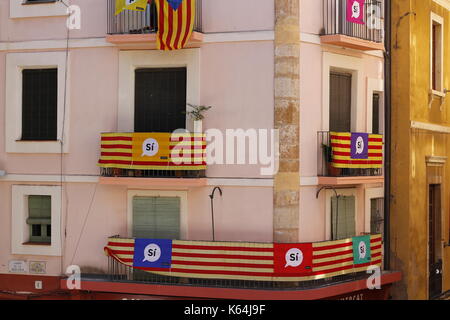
(197, 115)
(328, 157)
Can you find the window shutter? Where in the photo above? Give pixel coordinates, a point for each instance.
(343, 219)
(156, 218)
(39, 217)
(340, 102)
(160, 99)
(39, 104)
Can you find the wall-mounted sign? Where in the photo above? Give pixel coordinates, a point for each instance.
(18, 266)
(38, 267)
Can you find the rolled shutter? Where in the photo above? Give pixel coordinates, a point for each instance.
(156, 217)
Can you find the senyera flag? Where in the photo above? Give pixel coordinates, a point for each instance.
(356, 150)
(175, 23)
(355, 11)
(247, 261)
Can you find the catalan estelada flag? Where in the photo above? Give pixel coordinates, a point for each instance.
(175, 23)
(356, 150)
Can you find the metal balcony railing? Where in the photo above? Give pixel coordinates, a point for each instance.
(335, 20)
(335, 160)
(135, 22)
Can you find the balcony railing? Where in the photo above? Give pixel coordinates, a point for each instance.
(161, 155)
(349, 154)
(258, 265)
(135, 22)
(335, 20)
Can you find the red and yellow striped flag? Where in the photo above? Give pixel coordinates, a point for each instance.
(175, 23)
(341, 143)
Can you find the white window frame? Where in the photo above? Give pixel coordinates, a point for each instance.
(436, 19)
(20, 230)
(160, 193)
(374, 86)
(338, 62)
(371, 193)
(341, 192)
(20, 9)
(15, 63)
(129, 61)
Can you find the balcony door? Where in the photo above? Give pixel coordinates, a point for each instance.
(340, 101)
(160, 99)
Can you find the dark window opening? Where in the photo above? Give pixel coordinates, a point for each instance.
(340, 102)
(376, 114)
(39, 104)
(160, 100)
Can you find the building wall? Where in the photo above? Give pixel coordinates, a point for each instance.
(233, 79)
(414, 107)
(314, 96)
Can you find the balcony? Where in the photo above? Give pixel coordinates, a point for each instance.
(131, 27)
(346, 158)
(155, 155)
(339, 31)
(257, 266)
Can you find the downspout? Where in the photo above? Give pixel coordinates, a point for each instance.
(387, 122)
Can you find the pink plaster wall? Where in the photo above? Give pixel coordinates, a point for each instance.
(238, 15)
(237, 80)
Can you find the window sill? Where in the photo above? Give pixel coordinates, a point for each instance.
(39, 2)
(37, 141)
(48, 244)
(438, 93)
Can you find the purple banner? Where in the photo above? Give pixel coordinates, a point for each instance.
(359, 146)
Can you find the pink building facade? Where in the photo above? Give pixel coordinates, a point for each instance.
(229, 65)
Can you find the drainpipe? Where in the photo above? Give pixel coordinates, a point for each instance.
(387, 122)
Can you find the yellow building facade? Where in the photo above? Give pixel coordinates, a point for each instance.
(420, 148)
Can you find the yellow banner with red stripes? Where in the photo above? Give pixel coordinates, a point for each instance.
(356, 150)
(153, 151)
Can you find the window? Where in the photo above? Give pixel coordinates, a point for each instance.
(36, 8)
(37, 107)
(156, 217)
(130, 61)
(340, 102)
(39, 218)
(343, 224)
(437, 53)
(160, 100)
(39, 104)
(36, 220)
(376, 113)
(38, 1)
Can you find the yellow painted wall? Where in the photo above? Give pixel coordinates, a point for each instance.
(411, 102)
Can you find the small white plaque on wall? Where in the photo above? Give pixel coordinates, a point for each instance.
(38, 267)
(18, 266)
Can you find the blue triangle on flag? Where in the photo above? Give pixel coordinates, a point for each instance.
(174, 3)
